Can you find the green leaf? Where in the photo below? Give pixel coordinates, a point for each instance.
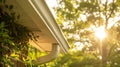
(0, 0)
(18, 16)
(7, 6)
(10, 7)
(2, 25)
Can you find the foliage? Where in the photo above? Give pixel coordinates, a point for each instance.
(79, 19)
(14, 38)
(34, 53)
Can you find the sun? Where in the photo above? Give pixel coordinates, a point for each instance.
(100, 33)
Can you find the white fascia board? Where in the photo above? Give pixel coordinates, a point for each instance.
(43, 11)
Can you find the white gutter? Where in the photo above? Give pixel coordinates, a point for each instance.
(51, 56)
(43, 11)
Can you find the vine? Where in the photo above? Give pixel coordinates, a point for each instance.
(14, 38)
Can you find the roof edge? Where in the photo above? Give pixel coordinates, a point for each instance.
(44, 12)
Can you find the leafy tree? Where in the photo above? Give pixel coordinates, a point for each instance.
(79, 20)
(14, 38)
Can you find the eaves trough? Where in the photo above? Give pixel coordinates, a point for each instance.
(36, 16)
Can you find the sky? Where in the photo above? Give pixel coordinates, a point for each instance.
(51, 4)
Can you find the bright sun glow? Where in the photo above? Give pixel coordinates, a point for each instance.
(100, 33)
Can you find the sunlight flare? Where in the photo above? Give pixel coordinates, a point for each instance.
(100, 33)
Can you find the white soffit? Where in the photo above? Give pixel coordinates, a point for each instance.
(40, 7)
(30, 19)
